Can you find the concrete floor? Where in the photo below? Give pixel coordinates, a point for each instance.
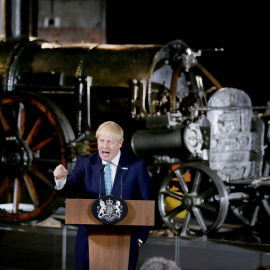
(25, 247)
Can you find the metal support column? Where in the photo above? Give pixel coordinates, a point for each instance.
(177, 250)
(64, 246)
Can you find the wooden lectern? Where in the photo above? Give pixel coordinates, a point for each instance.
(109, 244)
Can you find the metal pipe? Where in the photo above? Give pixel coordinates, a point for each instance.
(16, 18)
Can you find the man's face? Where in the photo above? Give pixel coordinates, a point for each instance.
(108, 147)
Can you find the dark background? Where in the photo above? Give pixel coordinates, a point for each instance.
(241, 29)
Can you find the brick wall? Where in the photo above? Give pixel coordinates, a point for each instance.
(72, 35)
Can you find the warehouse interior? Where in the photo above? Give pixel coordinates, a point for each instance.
(230, 40)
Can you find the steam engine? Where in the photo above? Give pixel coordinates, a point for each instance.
(206, 150)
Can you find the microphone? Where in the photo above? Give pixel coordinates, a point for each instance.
(121, 171)
(102, 168)
(101, 171)
(120, 167)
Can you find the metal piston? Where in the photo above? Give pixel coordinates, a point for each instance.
(158, 142)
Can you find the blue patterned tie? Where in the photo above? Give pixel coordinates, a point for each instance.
(108, 178)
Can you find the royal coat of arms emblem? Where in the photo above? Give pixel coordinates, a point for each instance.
(109, 209)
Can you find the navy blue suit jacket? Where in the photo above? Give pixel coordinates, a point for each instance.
(84, 182)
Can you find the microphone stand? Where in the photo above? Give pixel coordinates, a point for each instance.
(121, 171)
(101, 171)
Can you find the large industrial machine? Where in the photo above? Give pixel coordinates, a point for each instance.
(206, 149)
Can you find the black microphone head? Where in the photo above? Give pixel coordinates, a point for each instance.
(102, 168)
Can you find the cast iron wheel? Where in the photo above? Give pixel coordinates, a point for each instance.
(193, 201)
(251, 203)
(34, 135)
(252, 207)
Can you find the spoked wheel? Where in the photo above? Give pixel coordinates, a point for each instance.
(34, 135)
(252, 207)
(251, 203)
(193, 201)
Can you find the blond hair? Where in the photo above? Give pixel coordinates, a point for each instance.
(110, 128)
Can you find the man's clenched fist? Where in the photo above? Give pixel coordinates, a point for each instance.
(60, 172)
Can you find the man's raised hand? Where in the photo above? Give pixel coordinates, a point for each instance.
(60, 172)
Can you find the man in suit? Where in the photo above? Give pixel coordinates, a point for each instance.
(85, 180)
